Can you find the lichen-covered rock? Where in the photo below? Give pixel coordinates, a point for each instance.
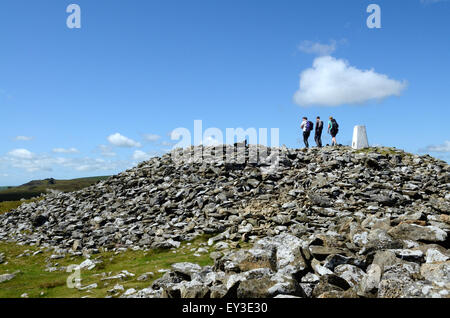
(368, 285)
(350, 273)
(187, 269)
(244, 260)
(265, 287)
(330, 283)
(288, 251)
(418, 233)
(437, 273)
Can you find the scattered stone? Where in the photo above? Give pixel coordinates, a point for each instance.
(87, 264)
(129, 292)
(88, 287)
(145, 276)
(350, 273)
(418, 233)
(434, 255)
(368, 285)
(6, 277)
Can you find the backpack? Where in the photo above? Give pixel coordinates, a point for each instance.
(335, 127)
(309, 125)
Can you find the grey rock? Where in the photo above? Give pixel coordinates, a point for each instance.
(288, 251)
(245, 260)
(433, 255)
(417, 232)
(368, 285)
(438, 273)
(187, 269)
(6, 277)
(350, 273)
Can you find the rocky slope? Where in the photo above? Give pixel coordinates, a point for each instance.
(328, 222)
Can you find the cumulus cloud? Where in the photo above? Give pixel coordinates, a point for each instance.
(151, 137)
(122, 141)
(167, 143)
(212, 141)
(333, 82)
(23, 138)
(30, 162)
(140, 155)
(21, 154)
(445, 147)
(64, 150)
(106, 151)
(317, 48)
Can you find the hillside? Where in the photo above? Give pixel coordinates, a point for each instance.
(37, 187)
(330, 222)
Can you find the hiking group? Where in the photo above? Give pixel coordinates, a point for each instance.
(307, 126)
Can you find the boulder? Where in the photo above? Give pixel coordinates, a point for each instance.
(418, 233)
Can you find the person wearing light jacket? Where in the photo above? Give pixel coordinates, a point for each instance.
(306, 131)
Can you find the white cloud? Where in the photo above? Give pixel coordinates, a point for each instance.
(445, 147)
(317, 48)
(167, 143)
(63, 150)
(23, 138)
(21, 153)
(122, 141)
(211, 141)
(140, 155)
(43, 162)
(106, 151)
(151, 137)
(333, 82)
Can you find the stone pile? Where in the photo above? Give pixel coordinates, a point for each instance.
(330, 222)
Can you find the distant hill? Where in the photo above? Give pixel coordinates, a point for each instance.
(37, 187)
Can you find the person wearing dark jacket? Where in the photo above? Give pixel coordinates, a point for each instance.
(318, 132)
(333, 129)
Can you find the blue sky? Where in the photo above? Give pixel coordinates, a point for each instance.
(97, 100)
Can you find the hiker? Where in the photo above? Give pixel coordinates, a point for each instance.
(333, 129)
(306, 126)
(318, 134)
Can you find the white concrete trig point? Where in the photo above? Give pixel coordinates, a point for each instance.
(360, 138)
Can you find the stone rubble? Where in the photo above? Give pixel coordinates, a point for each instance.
(330, 222)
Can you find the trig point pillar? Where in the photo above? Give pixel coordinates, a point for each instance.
(360, 138)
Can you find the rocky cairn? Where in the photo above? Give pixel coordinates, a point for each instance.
(330, 222)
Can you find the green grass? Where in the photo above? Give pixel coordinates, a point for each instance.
(7, 206)
(33, 280)
(38, 187)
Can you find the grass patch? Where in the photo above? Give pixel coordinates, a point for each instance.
(36, 282)
(7, 206)
(53, 284)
